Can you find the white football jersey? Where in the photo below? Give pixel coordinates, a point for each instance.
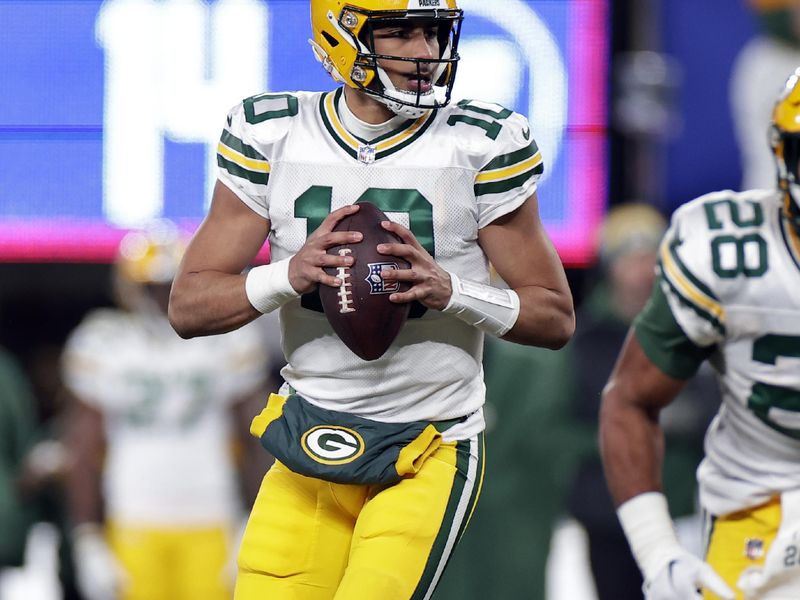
(166, 403)
(730, 270)
(444, 176)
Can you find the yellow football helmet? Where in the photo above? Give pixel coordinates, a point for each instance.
(344, 45)
(147, 261)
(785, 141)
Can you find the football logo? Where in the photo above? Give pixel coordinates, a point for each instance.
(332, 445)
(376, 283)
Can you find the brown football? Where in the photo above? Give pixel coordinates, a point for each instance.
(359, 310)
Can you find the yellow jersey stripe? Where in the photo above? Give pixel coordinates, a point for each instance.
(687, 289)
(252, 164)
(402, 136)
(507, 172)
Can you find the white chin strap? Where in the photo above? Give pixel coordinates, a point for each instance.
(404, 110)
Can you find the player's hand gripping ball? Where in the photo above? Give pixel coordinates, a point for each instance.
(359, 310)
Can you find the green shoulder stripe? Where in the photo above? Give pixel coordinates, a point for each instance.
(261, 178)
(702, 312)
(505, 185)
(234, 143)
(512, 158)
(673, 246)
(691, 290)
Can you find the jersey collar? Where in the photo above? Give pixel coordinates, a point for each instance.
(381, 147)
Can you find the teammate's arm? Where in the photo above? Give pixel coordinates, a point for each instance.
(518, 247)
(209, 294)
(84, 439)
(631, 439)
(98, 573)
(632, 448)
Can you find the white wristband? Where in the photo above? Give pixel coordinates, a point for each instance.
(490, 309)
(650, 532)
(267, 287)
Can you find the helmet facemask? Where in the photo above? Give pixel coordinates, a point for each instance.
(786, 147)
(785, 142)
(357, 26)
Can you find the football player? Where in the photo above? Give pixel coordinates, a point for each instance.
(379, 462)
(152, 490)
(728, 292)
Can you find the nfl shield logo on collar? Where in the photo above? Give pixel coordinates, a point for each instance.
(366, 154)
(376, 282)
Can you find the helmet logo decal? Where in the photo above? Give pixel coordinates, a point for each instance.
(358, 74)
(377, 283)
(332, 444)
(349, 20)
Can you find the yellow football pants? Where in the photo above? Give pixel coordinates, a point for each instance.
(173, 564)
(741, 540)
(309, 539)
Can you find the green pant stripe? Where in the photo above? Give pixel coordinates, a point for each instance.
(455, 514)
(476, 489)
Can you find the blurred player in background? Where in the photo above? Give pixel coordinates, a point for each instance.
(728, 292)
(153, 490)
(460, 180)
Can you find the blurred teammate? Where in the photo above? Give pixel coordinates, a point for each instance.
(728, 292)
(379, 462)
(153, 490)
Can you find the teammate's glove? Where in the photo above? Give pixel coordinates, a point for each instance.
(98, 574)
(670, 572)
(680, 579)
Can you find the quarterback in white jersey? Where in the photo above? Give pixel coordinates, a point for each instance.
(728, 292)
(152, 436)
(463, 167)
(379, 462)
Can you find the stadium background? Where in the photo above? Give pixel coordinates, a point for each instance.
(629, 100)
(61, 65)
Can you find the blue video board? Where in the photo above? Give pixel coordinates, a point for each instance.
(111, 111)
